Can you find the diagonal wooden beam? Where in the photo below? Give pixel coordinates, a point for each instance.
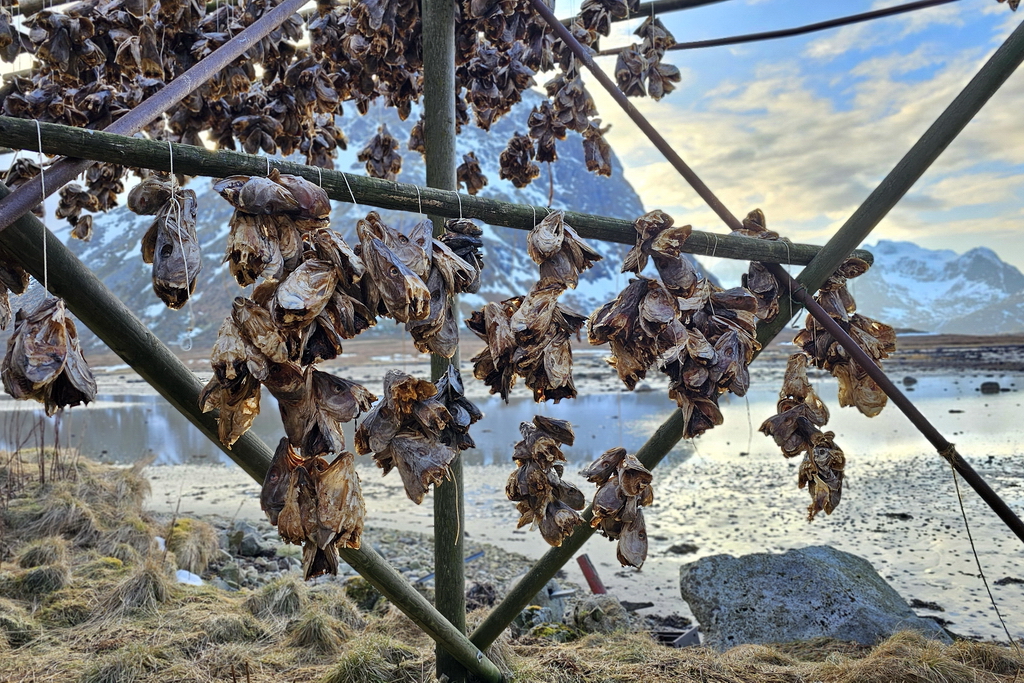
(103, 313)
(385, 194)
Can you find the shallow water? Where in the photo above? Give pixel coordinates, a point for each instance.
(728, 491)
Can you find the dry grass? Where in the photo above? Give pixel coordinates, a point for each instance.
(146, 587)
(119, 618)
(194, 544)
(49, 550)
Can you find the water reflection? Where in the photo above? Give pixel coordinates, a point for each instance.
(124, 427)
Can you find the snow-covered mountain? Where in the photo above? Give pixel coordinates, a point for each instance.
(941, 291)
(114, 252)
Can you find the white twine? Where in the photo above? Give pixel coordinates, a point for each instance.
(42, 186)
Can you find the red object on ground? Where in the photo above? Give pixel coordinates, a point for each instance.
(593, 580)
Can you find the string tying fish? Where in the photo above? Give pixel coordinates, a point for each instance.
(42, 187)
(186, 345)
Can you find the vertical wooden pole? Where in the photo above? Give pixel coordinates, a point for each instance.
(439, 140)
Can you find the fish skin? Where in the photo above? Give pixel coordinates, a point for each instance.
(275, 484)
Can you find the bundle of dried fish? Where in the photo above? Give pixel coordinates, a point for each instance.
(170, 243)
(856, 388)
(463, 237)
(464, 414)
(758, 280)
(270, 216)
(20, 172)
(73, 200)
(393, 287)
(545, 129)
(528, 337)
(572, 103)
(44, 360)
(559, 250)
(516, 161)
(795, 430)
(630, 71)
(702, 336)
(623, 488)
(596, 151)
(542, 498)
(316, 504)
(404, 432)
(469, 174)
(449, 275)
(639, 324)
(381, 155)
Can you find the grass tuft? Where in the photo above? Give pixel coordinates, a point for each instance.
(126, 665)
(65, 515)
(317, 633)
(126, 553)
(142, 590)
(16, 626)
(233, 628)
(193, 543)
(283, 597)
(38, 581)
(335, 601)
(49, 550)
(374, 658)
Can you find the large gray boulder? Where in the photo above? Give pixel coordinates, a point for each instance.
(796, 595)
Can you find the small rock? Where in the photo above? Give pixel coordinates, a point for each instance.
(252, 545)
(557, 633)
(643, 387)
(923, 604)
(480, 595)
(909, 381)
(990, 387)
(682, 548)
(220, 583)
(1007, 580)
(231, 573)
(600, 614)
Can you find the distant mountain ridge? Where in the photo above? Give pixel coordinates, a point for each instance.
(931, 290)
(114, 252)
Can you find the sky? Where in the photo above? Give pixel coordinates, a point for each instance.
(805, 128)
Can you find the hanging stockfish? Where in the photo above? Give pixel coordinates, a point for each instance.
(404, 432)
(44, 360)
(170, 243)
(542, 498)
(463, 237)
(758, 280)
(469, 174)
(516, 161)
(395, 266)
(73, 200)
(856, 388)
(316, 504)
(702, 337)
(795, 429)
(623, 489)
(464, 413)
(381, 155)
(271, 215)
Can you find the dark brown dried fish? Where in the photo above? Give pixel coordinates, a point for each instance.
(381, 156)
(624, 487)
(404, 430)
(275, 484)
(44, 360)
(541, 496)
(517, 161)
(469, 174)
(340, 506)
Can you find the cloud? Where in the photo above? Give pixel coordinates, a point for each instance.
(776, 142)
(881, 32)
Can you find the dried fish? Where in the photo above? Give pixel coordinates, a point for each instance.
(541, 496)
(275, 484)
(623, 489)
(44, 360)
(469, 174)
(517, 161)
(381, 156)
(404, 432)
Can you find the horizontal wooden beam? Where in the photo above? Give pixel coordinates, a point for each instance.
(385, 194)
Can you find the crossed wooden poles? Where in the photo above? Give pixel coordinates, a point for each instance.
(23, 235)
